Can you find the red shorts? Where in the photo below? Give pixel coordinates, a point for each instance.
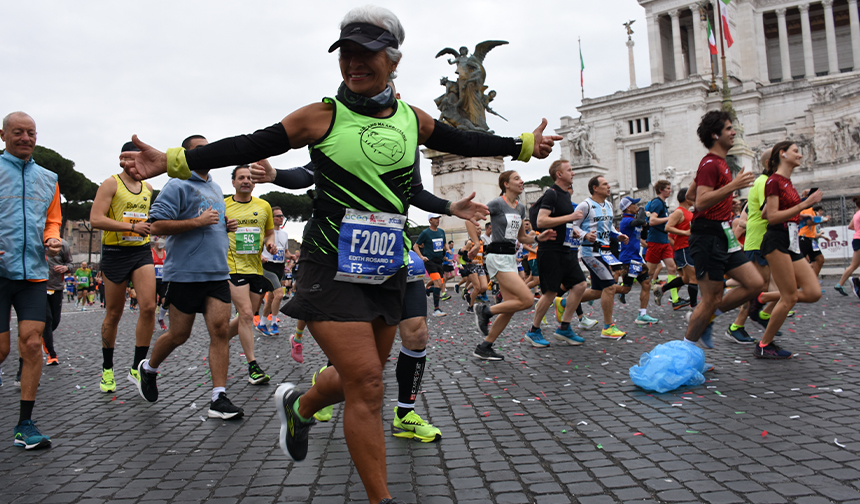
(658, 251)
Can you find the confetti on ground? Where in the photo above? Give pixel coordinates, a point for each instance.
(763, 433)
(599, 447)
(692, 432)
(583, 422)
(837, 443)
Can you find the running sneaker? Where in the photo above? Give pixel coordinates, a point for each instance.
(536, 339)
(612, 332)
(439, 313)
(133, 376)
(256, 375)
(498, 297)
(568, 336)
(586, 323)
(413, 426)
(294, 432)
(680, 303)
(469, 309)
(739, 336)
(107, 384)
(706, 338)
(762, 322)
(457, 288)
(28, 436)
(263, 329)
(708, 367)
(45, 349)
(483, 297)
(487, 353)
(771, 351)
(273, 329)
(296, 350)
(482, 318)
(162, 324)
(658, 296)
(646, 319)
(840, 289)
(855, 283)
(146, 385)
(559, 304)
(52, 361)
(323, 415)
(224, 409)
(444, 297)
(256, 320)
(790, 313)
(467, 297)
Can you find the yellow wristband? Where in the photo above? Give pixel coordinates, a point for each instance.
(528, 147)
(177, 167)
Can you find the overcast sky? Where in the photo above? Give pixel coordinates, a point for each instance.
(92, 73)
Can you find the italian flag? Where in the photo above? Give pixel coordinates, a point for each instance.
(712, 42)
(581, 67)
(724, 12)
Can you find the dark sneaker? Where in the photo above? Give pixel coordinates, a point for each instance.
(467, 297)
(840, 289)
(487, 353)
(256, 375)
(225, 410)
(739, 336)
(469, 309)
(457, 288)
(771, 352)
(855, 283)
(28, 436)
(680, 303)
(444, 297)
(482, 318)
(294, 432)
(622, 299)
(146, 387)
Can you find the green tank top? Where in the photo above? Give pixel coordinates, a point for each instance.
(756, 226)
(364, 163)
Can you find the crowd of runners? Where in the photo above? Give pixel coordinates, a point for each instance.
(194, 251)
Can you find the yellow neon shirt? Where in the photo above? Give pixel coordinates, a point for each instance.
(128, 207)
(255, 218)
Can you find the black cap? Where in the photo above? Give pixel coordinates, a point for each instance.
(129, 146)
(370, 36)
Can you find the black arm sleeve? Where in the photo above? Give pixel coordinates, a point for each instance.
(427, 201)
(242, 149)
(470, 143)
(296, 178)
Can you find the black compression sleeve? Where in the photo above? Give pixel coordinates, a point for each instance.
(469, 143)
(428, 202)
(296, 178)
(242, 149)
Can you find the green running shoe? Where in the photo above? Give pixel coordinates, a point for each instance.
(133, 376)
(413, 426)
(323, 415)
(107, 384)
(256, 375)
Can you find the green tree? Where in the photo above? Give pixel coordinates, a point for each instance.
(76, 188)
(296, 207)
(543, 182)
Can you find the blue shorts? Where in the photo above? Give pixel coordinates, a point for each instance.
(756, 257)
(533, 265)
(683, 258)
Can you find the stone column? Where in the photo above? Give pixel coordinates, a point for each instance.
(630, 44)
(761, 47)
(830, 32)
(855, 32)
(696, 50)
(784, 56)
(654, 49)
(808, 60)
(676, 45)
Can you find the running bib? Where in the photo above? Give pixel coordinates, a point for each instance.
(438, 245)
(569, 240)
(793, 244)
(815, 245)
(512, 230)
(159, 271)
(597, 266)
(734, 246)
(635, 269)
(370, 246)
(83, 281)
(609, 258)
(132, 218)
(248, 240)
(279, 257)
(415, 268)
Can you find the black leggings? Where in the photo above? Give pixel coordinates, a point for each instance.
(53, 312)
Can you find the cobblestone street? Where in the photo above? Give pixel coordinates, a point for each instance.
(554, 425)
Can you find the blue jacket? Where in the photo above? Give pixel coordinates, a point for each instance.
(26, 192)
(198, 255)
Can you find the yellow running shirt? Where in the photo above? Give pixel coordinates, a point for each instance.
(254, 219)
(128, 207)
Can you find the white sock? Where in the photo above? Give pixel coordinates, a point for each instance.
(690, 342)
(643, 312)
(216, 391)
(162, 311)
(148, 368)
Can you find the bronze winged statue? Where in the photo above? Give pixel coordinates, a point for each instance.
(471, 100)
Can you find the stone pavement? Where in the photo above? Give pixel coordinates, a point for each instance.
(553, 425)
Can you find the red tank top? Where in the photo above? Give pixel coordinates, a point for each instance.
(682, 241)
(158, 261)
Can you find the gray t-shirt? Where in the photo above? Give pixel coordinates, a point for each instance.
(506, 221)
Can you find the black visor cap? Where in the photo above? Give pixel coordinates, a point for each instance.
(369, 36)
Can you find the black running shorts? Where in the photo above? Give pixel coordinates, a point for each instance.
(776, 239)
(118, 262)
(190, 297)
(711, 256)
(257, 283)
(559, 268)
(414, 301)
(30, 300)
(807, 250)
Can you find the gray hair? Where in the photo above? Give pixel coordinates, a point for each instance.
(9, 118)
(384, 18)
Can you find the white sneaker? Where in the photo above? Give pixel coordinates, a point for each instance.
(586, 323)
(439, 313)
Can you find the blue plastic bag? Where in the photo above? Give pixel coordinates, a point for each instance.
(669, 366)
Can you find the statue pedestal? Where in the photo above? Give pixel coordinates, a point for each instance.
(455, 177)
(581, 175)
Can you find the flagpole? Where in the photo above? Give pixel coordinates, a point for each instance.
(727, 94)
(581, 68)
